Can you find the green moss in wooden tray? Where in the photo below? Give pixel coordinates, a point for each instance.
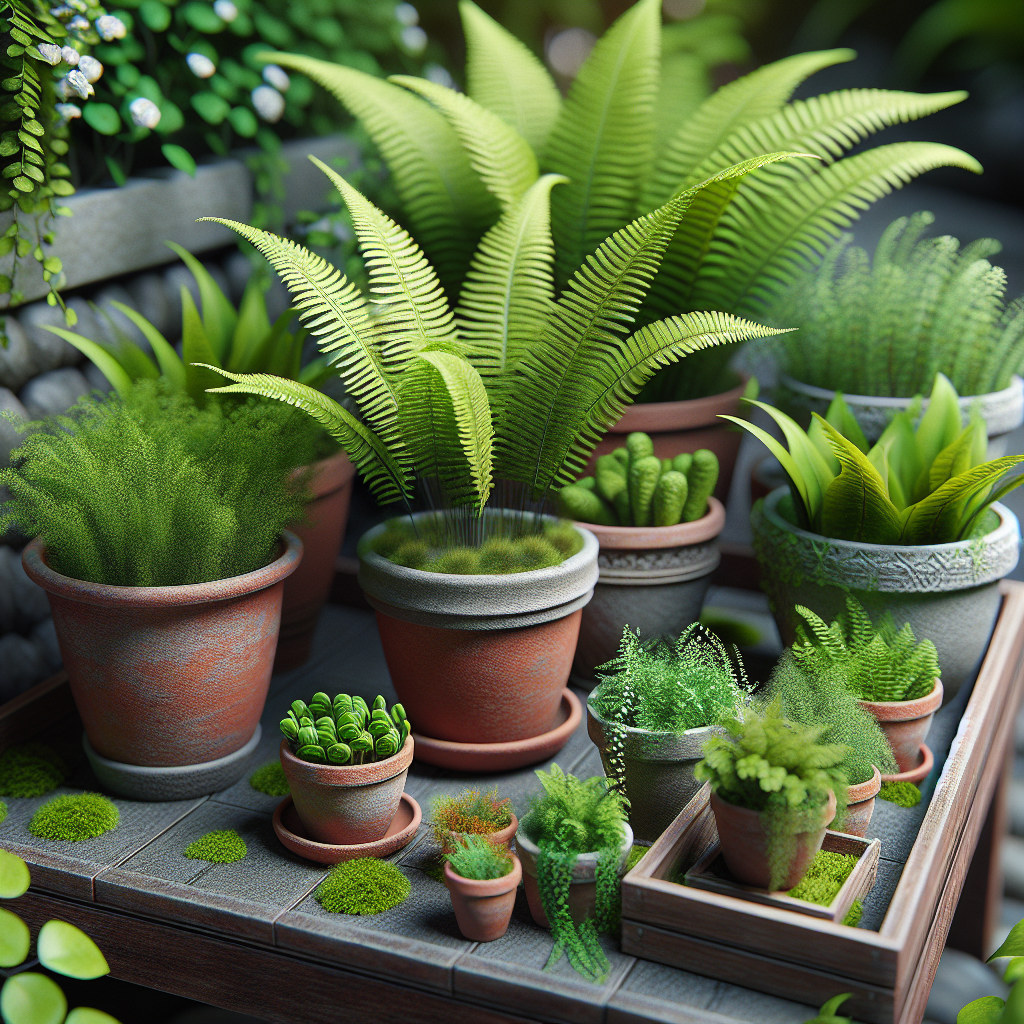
(30, 769)
(270, 779)
(903, 794)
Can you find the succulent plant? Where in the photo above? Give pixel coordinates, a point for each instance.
(344, 730)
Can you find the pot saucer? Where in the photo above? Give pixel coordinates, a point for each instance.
(915, 775)
(292, 833)
(503, 757)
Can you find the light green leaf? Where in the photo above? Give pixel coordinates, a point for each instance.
(170, 365)
(940, 426)
(252, 327)
(903, 457)
(1012, 945)
(196, 351)
(986, 1010)
(119, 379)
(179, 157)
(954, 459)
(219, 316)
(1014, 970)
(63, 948)
(32, 998)
(14, 876)
(839, 415)
(87, 1015)
(15, 939)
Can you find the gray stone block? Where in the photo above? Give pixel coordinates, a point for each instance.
(53, 393)
(959, 980)
(149, 295)
(44, 636)
(23, 666)
(238, 268)
(31, 604)
(16, 362)
(10, 436)
(48, 350)
(113, 324)
(7, 606)
(87, 326)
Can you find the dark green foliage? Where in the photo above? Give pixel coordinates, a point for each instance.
(152, 491)
(730, 629)
(825, 877)
(886, 327)
(30, 769)
(345, 730)
(221, 847)
(270, 779)
(477, 857)
(636, 854)
(3, 812)
(363, 886)
(903, 794)
(74, 818)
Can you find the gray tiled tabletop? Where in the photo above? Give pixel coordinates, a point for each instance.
(266, 898)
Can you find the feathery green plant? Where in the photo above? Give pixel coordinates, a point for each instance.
(886, 326)
(477, 857)
(880, 663)
(345, 730)
(458, 160)
(928, 485)
(363, 886)
(224, 846)
(151, 491)
(74, 817)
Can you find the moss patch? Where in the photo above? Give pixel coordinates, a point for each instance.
(433, 867)
(903, 794)
(270, 780)
(824, 877)
(30, 769)
(74, 818)
(363, 886)
(222, 847)
(854, 914)
(3, 811)
(635, 856)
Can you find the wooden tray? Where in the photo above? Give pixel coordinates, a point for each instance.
(711, 874)
(796, 956)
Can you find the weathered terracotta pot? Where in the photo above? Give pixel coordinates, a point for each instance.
(479, 659)
(345, 805)
(582, 888)
(677, 427)
(860, 805)
(652, 578)
(168, 676)
(744, 843)
(503, 837)
(307, 589)
(906, 724)
(483, 907)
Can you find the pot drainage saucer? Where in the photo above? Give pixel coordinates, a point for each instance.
(503, 757)
(292, 833)
(915, 775)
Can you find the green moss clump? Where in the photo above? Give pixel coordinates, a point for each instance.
(903, 794)
(363, 886)
(413, 554)
(222, 847)
(854, 914)
(825, 877)
(74, 818)
(636, 854)
(3, 811)
(270, 779)
(458, 561)
(537, 553)
(31, 769)
(564, 537)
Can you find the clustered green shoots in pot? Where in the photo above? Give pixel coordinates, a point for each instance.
(344, 731)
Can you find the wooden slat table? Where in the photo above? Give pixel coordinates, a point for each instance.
(249, 936)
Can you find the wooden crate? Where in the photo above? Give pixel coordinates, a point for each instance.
(774, 950)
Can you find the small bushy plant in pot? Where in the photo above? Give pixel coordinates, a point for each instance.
(160, 542)
(655, 706)
(482, 879)
(774, 791)
(472, 813)
(346, 764)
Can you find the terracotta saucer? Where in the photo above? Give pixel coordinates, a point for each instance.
(915, 775)
(293, 835)
(503, 757)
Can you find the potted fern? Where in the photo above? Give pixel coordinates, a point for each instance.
(160, 543)
(653, 709)
(573, 844)
(879, 330)
(482, 879)
(478, 597)
(911, 524)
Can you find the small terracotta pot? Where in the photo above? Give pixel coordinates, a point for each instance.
(308, 587)
(345, 805)
(582, 888)
(483, 907)
(906, 724)
(677, 427)
(503, 837)
(745, 844)
(168, 676)
(860, 805)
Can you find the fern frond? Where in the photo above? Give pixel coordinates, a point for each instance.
(602, 140)
(503, 76)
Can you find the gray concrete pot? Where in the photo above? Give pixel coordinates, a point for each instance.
(949, 593)
(659, 772)
(1003, 410)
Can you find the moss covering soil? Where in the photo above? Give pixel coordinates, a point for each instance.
(3, 811)
(221, 847)
(363, 886)
(74, 818)
(31, 769)
(903, 794)
(270, 780)
(825, 877)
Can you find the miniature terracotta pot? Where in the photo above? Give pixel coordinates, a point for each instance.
(345, 805)
(906, 724)
(582, 888)
(677, 427)
(168, 676)
(307, 589)
(860, 805)
(652, 578)
(503, 837)
(744, 843)
(483, 907)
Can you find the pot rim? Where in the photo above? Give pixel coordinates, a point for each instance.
(347, 775)
(33, 558)
(483, 887)
(627, 538)
(695, 737)
(749, 814)
(685, 414)
(906, 710)
(583, 860)
(864, 791)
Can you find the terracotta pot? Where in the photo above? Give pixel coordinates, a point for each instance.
(479, 659)
(652, 578)
(307, 589)
(745, 844)
(345, 805)
(582, 888)
(503, 837)
(906, 724)
(483, 907)
(677, 427)
(860, 805)
(168, 676)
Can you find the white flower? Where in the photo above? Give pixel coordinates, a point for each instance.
(200, 65)
(91, 68)
(68, 111)
(438, 75)
(414, 39)
(79, 24)
(225, 10)
(406, 14)
(110, 28)
(50, 52)
(269, 103)
(75, 81)
(277, 77)
(70, 56)
(145, 113)
(61, 12)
